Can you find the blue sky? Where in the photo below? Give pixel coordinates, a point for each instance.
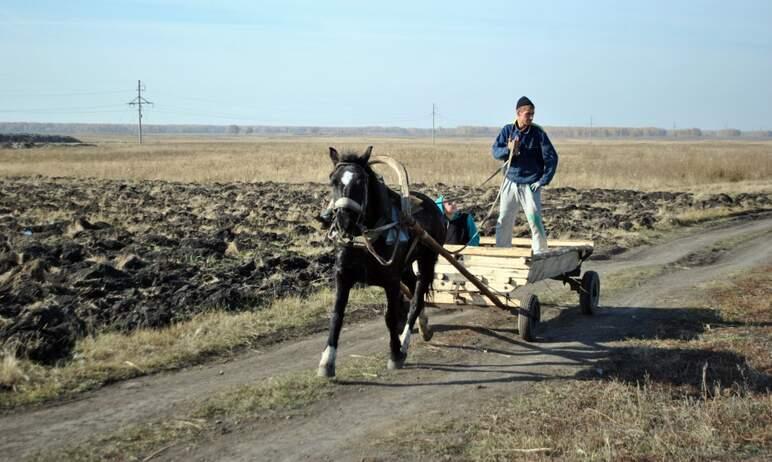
(705, 64)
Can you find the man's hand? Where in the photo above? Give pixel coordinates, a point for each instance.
(535, 186)
(512, 145)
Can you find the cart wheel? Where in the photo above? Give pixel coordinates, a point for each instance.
(590, 293)
(528, 318)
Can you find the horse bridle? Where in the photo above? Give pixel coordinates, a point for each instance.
(349, 203)
(336, 234)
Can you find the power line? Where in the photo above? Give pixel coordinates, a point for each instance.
(74, 93)
(139, 101)
(62, 109)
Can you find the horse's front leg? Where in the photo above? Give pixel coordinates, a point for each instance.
(393, 313)
(342, 290)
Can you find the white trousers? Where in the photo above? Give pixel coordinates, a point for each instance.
(513, 197)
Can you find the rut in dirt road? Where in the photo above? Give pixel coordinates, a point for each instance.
(478, 355)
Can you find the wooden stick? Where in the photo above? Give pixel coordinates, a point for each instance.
(425, 238)
(157, 453)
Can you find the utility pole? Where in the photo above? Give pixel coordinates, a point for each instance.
(590, 128)
(434, 113)
(139, 101)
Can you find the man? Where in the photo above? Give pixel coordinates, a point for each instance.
(461, 227)
(533, 164)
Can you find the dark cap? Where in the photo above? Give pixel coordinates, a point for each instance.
(524, 101)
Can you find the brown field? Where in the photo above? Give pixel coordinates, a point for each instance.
(709, 166)
(153, 276)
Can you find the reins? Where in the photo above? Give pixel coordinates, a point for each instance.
(337, 235)
(505, 169)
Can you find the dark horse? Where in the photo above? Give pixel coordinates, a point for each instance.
(363, 203)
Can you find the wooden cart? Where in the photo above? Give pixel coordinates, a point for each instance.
(506, 273)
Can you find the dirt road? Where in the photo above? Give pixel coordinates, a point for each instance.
(474, 356)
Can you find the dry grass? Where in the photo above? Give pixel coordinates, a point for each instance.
(746, 300)
(11, 373)
(696, 216)
(744, 305)
(707, 398)
(730, 166)
(109, 357)
(616, 421)
(272, 397)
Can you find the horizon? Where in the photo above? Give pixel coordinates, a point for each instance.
(346, 64)
(406, 127)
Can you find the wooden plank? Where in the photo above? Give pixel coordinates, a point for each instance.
(552, 253)
(471, 261)
(490, 279)
(555, 265)
(503, 252)
(471, 299)
(526, 242)
(516, 242)
(447, 286)
(487, 272)
(427, 240)
(466, 286)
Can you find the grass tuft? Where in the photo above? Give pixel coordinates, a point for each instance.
(11, 373)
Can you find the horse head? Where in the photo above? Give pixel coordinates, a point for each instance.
(350, 181)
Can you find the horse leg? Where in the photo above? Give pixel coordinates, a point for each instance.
(423, 326)
(327, 363)
(393, 309)
(425, 277)
(410, 280)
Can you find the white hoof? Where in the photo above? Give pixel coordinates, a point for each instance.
(327, 372)
(327, 364)
(392, 364)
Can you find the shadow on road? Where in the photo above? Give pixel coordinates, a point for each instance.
(571, 339)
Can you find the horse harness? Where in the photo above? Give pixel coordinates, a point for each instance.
(368, 236)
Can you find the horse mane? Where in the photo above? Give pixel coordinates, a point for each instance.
(354, 158)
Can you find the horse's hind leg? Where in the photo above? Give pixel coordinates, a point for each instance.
(410, 280)
(423, 326)
(393, 309)
(327, 363)
(425, 277)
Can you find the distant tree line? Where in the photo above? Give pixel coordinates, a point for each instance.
(460, 131)
(35, 138)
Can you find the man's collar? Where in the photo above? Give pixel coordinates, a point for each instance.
(520, 130)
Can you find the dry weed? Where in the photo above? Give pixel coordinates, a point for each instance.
(730, 166)
(11, 373)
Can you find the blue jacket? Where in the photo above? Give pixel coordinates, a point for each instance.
(537, 159)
